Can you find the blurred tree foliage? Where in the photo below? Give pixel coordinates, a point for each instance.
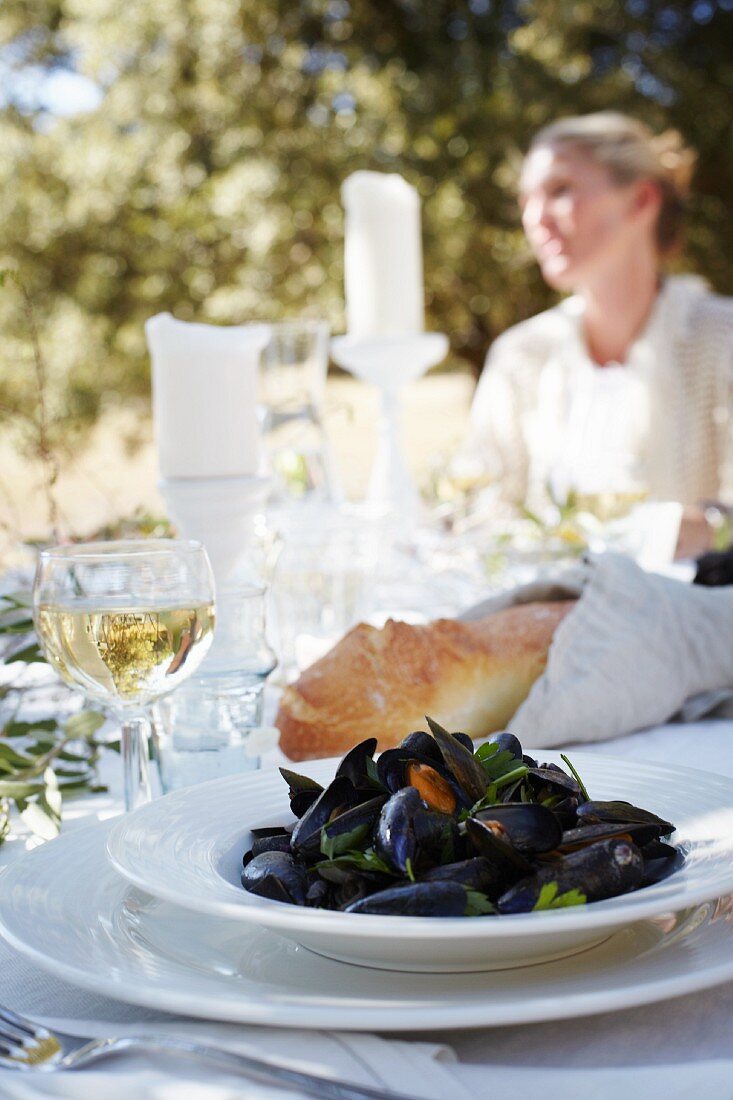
(206, 178)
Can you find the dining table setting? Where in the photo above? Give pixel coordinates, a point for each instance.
(393, 798)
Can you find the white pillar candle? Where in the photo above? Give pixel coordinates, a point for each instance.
(382, 256)
(204, 380)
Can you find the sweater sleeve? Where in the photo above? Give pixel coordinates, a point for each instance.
(725, 416)
(718, 330)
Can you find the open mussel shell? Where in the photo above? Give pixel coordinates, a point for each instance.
(660, 861)
(476, 873)
(302, 791)
(494, 845)
(421, 745)
(551, 779)
(278, 876)
(351, 829)
(437, 791)
(465, 740)
(581, 837)
(340, 795)
(402, 767)
(463, 765)
(529, 827)
(622, 813)
(391, 765)
(411, 838)
(603, 870)
(355, 765)
(419, 899)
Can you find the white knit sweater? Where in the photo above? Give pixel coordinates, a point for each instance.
(683, 361)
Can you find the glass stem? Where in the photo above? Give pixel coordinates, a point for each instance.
(135, 739)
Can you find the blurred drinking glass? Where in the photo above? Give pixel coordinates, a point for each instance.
(323, 586)
(213, 726)
(126, 622)
(292, 388)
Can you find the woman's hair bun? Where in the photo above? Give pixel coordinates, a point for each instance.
(676, 160)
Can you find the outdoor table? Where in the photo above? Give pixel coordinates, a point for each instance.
(678, 1048)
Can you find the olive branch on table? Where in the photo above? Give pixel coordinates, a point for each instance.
(42, 759)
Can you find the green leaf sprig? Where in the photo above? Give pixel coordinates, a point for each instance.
(45, 759)
(549, 898)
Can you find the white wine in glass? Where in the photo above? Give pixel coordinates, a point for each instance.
(126, 622)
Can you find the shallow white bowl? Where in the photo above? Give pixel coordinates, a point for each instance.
(187, 848)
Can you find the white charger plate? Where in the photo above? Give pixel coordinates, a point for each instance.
(187, 849)
(66, 908)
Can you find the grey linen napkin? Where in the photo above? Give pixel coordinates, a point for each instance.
(636, 650)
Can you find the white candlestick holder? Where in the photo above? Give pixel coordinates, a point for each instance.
(390, 363)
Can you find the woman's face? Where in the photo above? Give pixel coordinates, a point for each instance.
(580, 223)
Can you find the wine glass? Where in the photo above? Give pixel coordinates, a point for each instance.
(126, 622)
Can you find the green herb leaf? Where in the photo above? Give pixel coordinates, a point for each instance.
(477, 904)
(576, 777)
(30, 654)
(498, 763)
(368, 860)
(22, 729)
(333, 846)
(550, 899)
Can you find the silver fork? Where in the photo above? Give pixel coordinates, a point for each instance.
(25, 1045)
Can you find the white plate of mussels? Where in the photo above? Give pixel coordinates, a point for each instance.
(436, 858)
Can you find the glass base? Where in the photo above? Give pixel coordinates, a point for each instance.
(202, 731)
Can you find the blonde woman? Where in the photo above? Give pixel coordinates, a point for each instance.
(629, 380)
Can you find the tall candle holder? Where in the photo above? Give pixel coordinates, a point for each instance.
(390, 363)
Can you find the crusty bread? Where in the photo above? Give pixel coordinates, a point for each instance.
(469, 676)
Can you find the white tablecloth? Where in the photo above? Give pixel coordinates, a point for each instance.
(676, 1049)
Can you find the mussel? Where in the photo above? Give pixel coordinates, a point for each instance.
(583, 835)
(340, 795)
(276, 875)
(420, 745)
(410, 837)
(404, 767)
(603, 870)
(476, 873)
(530, 828)
(302, 791)
(463, 765)
(660, 861)
(419, 899)
(436, 791)
(358, 765)
(278, 843)
(493, 843)
(623, 813)
(350, 829)
(318, 895)
(506, 742)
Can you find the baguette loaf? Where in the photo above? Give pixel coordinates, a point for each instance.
(469, 676)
